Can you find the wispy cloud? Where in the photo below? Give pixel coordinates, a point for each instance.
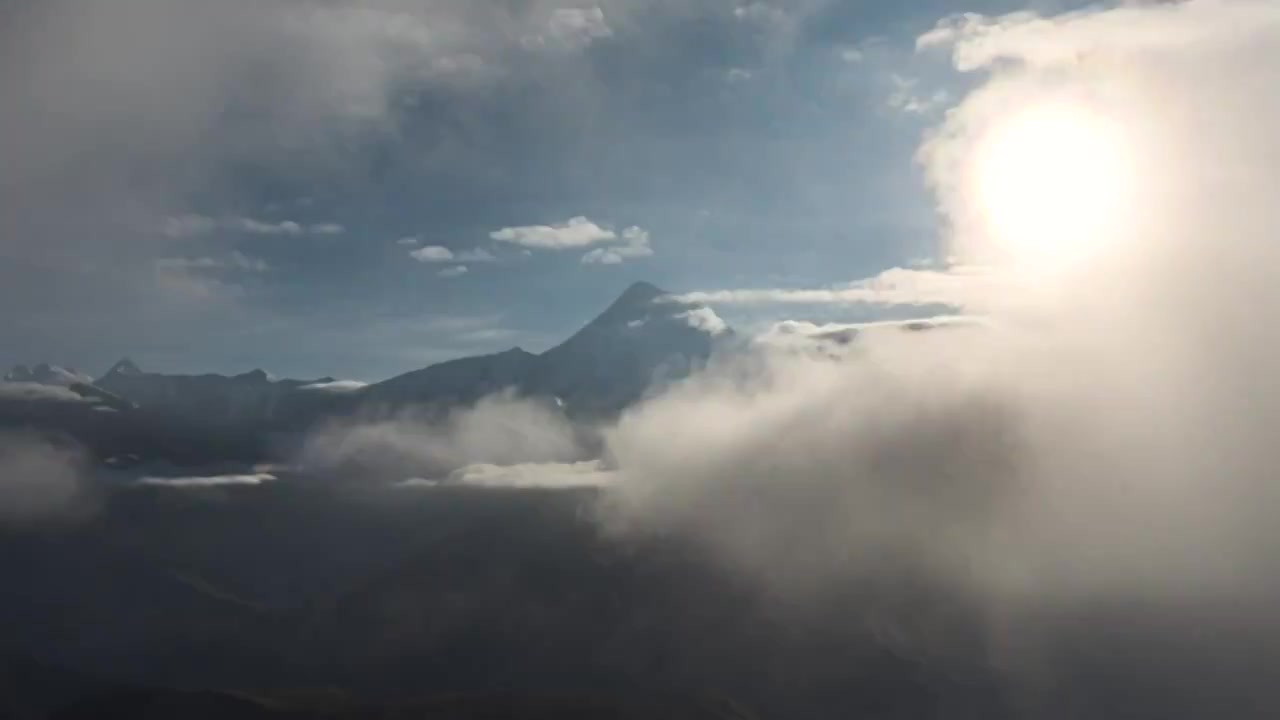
(907, 97)
(453, 272)
(190, 226)
(895, 286)
(236, 260)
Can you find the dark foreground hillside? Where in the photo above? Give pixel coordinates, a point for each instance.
(297, 600)
(448, 603)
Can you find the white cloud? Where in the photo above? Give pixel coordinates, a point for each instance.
(852, 55)
(575, 232)
(761, 13)
(1107, 441)
(500, 429)
(188, 226)
(636, 246)
(588, 473)
(409, 240)
(236, 260)
(476, 255)
(706, 320)
(895, 286)
(39, 392)
(907, 98)
(432, 254)
(203, 481)
(259, 227)
(453, 272)
(326, 229)
(336, 386)
(572, 29)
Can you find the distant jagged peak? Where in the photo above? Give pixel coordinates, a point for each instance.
(125, 366)
(640, 293)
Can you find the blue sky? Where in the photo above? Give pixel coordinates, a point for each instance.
(216, 189)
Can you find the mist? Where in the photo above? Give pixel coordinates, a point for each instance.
(41, 483)
(498, 430)
(1104, 439)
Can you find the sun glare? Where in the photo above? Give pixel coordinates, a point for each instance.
(1052, 183)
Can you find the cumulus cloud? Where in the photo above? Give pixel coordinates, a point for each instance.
(706, 320)
(635, 245)
(41, 482)
(1102, 444)
(575, 232)
(432, 254)
(453, 272)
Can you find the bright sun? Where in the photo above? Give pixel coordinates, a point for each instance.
(1053, 183)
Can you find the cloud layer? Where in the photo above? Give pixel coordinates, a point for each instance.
(1103, 441)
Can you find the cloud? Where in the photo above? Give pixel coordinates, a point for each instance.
(259, 227)
(572, 29)
(476, 255)
(432, 254)
(234, 261)
(559, 476)
(760, 13)
(205, 481)
(636, 246)
(852, 55)
(326, 229)
(453, 272)
(705, 319)
(500, 429)
(575, 232)
(905, 97)
(192, 226)
(335, 386)
(41, 482)
(39, 392)
(896, 286)
(840, 340)
(1100, 454)
(409, 240)
(184, 226)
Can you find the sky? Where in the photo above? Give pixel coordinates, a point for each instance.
(359, 189)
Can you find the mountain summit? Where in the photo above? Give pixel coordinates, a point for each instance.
(645, 336)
